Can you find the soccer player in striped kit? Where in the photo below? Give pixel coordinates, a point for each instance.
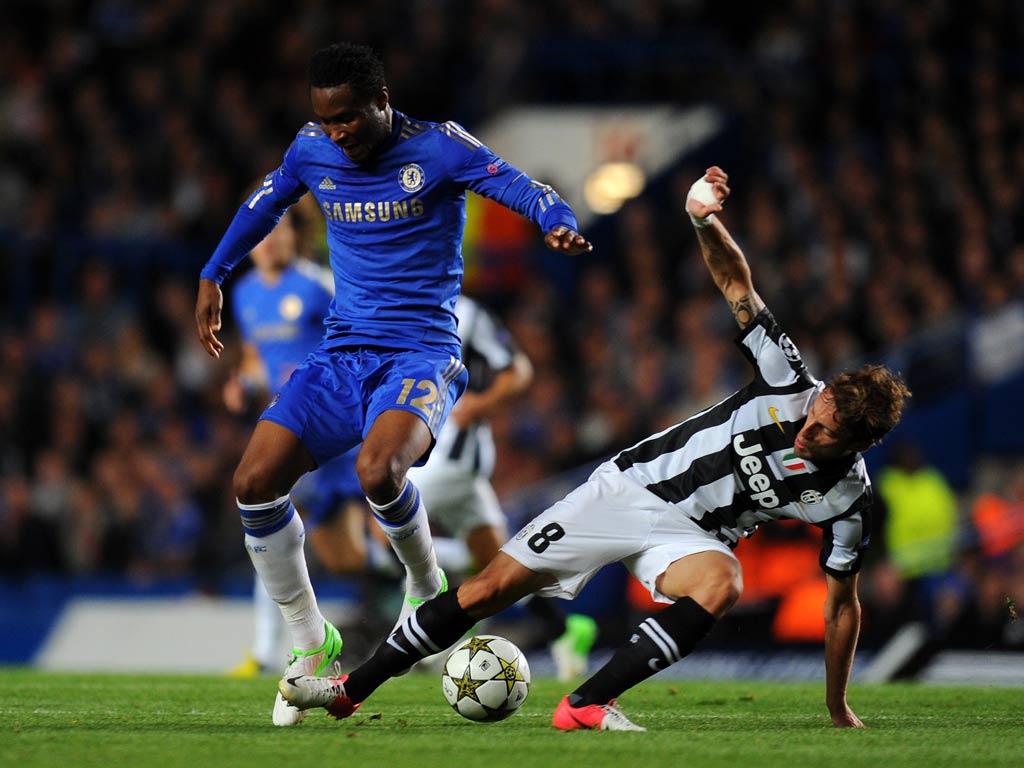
(672, 508)
(387, 372)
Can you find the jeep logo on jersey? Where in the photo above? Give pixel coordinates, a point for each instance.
(759, 482)
(789, 348)
(410, 178)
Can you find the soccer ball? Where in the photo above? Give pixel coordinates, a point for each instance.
(486, 678)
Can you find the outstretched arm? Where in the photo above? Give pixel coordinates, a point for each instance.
(842, 628)
(723, 256)
(488, 175)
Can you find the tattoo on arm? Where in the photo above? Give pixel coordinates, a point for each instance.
(729, 269)
(745, 309)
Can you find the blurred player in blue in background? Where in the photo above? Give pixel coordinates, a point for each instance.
(456, 486)
(388, 370)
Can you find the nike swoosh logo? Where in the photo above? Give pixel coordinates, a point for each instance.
(771, 412)
(589, 727)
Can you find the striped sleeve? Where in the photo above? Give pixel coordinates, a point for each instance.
(776, 360)
(845, 539)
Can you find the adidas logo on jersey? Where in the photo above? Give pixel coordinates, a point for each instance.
(327, 183)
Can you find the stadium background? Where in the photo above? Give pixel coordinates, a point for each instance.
(878, 156)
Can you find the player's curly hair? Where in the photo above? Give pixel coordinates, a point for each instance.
(352, 64)
(868, 401)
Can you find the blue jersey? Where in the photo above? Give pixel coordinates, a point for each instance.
(284, 321)
(394, 226)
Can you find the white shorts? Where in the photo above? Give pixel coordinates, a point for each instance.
(458, 501)
(609, 518)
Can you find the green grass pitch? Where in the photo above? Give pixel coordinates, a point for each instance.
(67, 721)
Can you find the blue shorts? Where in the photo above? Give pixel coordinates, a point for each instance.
(323, 492)
(332, 399)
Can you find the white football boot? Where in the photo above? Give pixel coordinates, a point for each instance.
(306, 692)
(322, 661)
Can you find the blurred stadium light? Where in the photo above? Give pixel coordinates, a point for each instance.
(569, 146)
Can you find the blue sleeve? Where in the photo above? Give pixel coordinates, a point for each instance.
(488, 175)
(254, 220)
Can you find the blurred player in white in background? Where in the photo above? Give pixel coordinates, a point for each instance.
(455, 483)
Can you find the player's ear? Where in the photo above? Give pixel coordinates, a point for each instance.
(383, 97)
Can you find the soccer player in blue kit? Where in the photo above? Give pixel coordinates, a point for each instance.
(387, 372)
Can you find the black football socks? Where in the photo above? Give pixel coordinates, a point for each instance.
(659, 641)
(431, 629)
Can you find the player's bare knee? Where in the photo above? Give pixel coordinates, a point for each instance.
(733, 589)
(722, 589)
(381, 477)
(251, 486)
(718, 589)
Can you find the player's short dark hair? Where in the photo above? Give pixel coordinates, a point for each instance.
(868, 401)
(351, 64)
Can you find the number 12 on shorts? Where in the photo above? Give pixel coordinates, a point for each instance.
(424, 402)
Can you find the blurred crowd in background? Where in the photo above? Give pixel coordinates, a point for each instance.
(877, 150)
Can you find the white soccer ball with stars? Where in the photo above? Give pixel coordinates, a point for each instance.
(486, 678)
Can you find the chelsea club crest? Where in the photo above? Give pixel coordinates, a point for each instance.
(410, 178)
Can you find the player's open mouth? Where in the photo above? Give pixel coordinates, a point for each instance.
(352, 149)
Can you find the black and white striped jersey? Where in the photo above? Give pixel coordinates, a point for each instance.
(487, 348)
(732, 466)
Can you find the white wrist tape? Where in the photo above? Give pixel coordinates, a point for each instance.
(703, 192)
